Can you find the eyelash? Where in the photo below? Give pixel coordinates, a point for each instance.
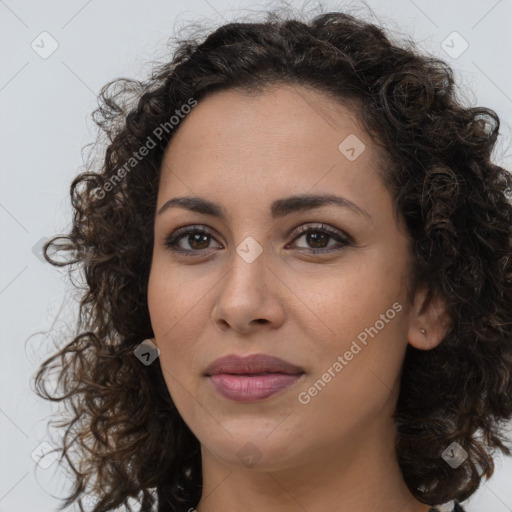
(171, 241)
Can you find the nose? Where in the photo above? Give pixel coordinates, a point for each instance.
(249, 297)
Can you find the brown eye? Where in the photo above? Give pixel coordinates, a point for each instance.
(196, 237)
(317, 238)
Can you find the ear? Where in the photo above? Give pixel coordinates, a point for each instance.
(429, 321)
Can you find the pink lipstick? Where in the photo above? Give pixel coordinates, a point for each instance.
(251, 378)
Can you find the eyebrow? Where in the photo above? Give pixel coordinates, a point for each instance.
(279, 208)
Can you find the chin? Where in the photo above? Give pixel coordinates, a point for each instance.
(260, 453)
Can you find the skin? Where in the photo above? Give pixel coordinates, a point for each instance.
(335, 453)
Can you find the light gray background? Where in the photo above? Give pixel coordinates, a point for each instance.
(44, 104)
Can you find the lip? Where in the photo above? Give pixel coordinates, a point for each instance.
(251, 378)
(254, 363)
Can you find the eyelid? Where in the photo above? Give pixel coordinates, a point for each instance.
(320, 226)
(342, 237)
(180, 232)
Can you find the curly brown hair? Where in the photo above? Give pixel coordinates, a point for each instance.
(130, 440)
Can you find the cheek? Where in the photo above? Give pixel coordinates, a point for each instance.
(367, 329)
(172, 300)
(174, 319)
(359, 316)
(342, 301)
(178, 309)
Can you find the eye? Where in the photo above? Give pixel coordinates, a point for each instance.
(196, 236)
(316, 236)
(198, 239)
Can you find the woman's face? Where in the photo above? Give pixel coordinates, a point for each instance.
(252, 284)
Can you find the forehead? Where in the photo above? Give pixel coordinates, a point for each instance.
(287, 139)
(281, 113)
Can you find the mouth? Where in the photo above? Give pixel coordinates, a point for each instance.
(255, 364)
(252, 378)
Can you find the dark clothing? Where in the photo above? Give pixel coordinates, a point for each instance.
(456, 508)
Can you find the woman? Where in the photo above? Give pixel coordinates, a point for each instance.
(297, 256)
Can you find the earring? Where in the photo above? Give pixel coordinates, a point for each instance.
(424, 332)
